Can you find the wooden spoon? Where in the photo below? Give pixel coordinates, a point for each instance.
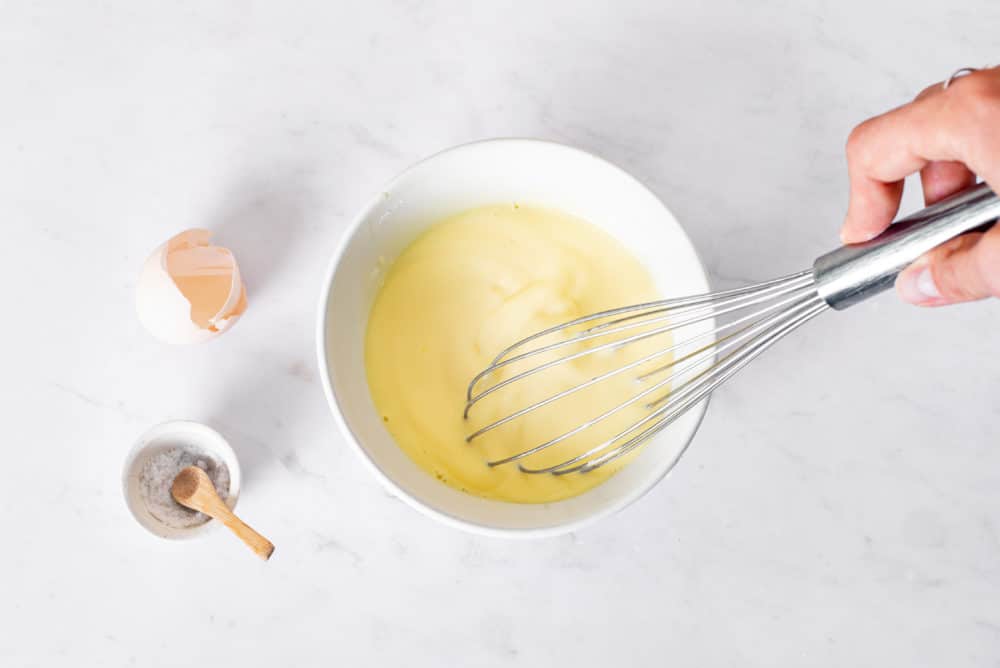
(193, 489)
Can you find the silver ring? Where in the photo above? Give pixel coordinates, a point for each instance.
(961, 72)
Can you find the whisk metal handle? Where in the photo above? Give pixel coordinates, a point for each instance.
(856, 272)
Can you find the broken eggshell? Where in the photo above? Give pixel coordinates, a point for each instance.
(190, 291)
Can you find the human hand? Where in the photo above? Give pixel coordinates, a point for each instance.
(949, 136)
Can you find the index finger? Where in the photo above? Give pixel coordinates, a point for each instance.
(960, 124)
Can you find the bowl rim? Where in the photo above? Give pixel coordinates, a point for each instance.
(355, 442)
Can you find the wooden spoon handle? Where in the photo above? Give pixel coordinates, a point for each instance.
(193, 488)
(261, 546)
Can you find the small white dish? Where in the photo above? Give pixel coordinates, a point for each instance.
(491, 172)
(162, 437)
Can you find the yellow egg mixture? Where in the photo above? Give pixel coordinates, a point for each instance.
(462, 292)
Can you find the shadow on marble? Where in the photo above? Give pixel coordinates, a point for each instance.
(264, 218)
(261, 218)
(265, 414)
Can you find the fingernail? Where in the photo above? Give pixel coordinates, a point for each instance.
(926, 285)
(918, 287)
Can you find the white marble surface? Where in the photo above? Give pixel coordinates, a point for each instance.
(840, 506)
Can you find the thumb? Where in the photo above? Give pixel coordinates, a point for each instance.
(964, 269)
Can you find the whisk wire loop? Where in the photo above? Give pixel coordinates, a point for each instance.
(755, 318)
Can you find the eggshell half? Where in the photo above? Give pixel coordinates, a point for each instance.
(190, 291)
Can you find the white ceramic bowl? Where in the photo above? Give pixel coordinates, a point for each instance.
(162, 437)
(490, 172)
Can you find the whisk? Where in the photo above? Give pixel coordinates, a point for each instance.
(724, 332)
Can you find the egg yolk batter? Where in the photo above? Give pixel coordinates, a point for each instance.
(462, 292)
